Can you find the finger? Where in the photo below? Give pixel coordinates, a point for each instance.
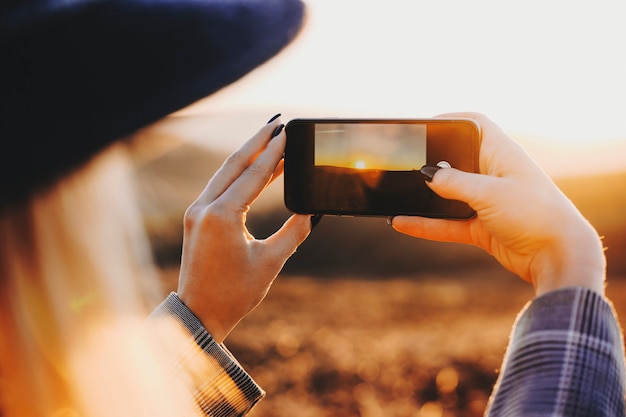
(289, 237)
(434, 229)
(499, 153)
(473, 189)
(280, 168)
(487, 126)
(237, 163)
(247, 187)
(478, 117)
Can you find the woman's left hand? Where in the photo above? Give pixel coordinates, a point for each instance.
(225, 271)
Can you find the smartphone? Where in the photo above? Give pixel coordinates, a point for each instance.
(370, 167)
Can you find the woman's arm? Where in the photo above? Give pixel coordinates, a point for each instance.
(225, 273)
(565, 356)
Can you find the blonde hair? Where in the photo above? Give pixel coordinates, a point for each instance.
(76, 285)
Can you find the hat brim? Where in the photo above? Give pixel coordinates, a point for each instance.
(76, 78)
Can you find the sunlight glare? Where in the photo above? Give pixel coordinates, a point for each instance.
(560, 85)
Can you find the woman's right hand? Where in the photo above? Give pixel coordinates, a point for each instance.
(522, 219)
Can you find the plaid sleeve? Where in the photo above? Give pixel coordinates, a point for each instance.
(565, 358)
(222, 388)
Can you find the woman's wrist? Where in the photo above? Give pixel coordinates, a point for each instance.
(576, 259)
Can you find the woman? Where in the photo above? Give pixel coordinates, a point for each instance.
(76, 278)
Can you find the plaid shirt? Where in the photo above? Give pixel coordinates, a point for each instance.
(565, 358)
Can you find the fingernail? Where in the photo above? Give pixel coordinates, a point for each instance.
(315, 219)
(273, 118)
(428, 172)
(390, 221)
(278, 130)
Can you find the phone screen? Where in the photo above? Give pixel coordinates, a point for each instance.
(378, 147)
(371, 167)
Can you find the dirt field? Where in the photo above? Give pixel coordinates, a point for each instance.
(427, 346)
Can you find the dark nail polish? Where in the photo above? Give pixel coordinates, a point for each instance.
(315, 219)
(273, 118)
(428, 172)
(278, 130)
(390, 221)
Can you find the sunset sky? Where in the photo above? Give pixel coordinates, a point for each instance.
(553, 72)
(382, 147)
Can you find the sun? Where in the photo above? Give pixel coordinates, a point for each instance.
(359, 164)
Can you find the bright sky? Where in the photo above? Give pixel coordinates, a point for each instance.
(553, 70)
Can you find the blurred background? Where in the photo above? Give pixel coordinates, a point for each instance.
(364, 321)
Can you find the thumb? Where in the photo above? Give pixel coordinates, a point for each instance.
(286, 240)
(454, 184)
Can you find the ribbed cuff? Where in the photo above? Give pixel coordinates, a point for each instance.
(227, 390)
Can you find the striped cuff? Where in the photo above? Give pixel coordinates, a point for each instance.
(225, 388)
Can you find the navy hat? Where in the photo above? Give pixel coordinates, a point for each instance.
(75, 75)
